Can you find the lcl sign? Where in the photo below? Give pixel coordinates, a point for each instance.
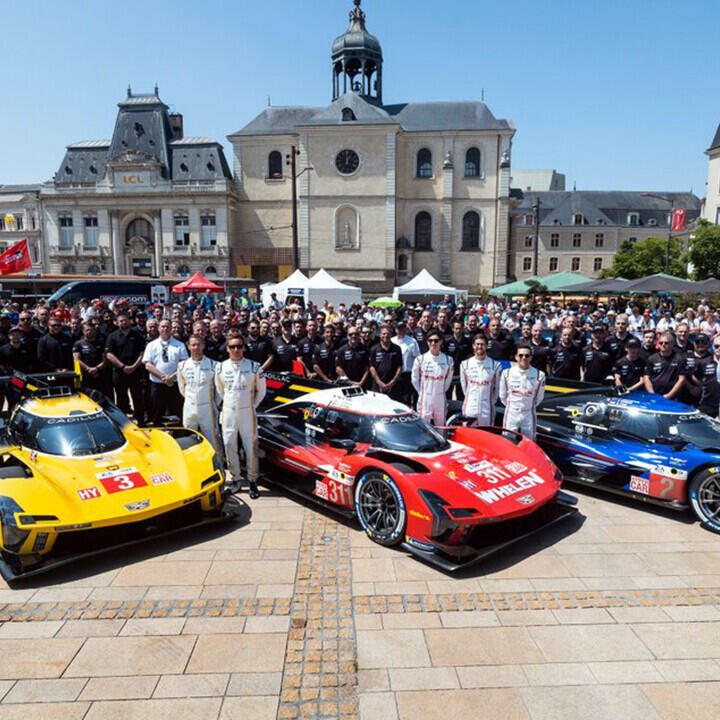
(132, 180)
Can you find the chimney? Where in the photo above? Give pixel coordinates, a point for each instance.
(176, 123)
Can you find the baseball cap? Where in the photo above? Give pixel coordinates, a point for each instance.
(598, 327)
(633, 343)
(702, 339)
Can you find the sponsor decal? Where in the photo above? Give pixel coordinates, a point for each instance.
(341, 477)
(417, 514)
(119, 480)
(515, 467)
(33, 456)
(639, 484)
(161, 479)
(488, 471)
(419, 544)
(321, 489)
(89, 493)
(526, 500)
(105, 459)
(344, 467)
(140, 505)
(667, 471)
(452, 475)
(469, 485)
(526, 482)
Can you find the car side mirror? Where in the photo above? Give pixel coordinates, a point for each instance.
(343, 444)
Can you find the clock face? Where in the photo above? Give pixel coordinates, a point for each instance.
(347, 162)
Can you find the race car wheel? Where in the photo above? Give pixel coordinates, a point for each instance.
(705, 497)
(380, 508)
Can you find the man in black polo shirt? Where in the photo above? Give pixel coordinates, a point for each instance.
(539, 347)
(54, 350)
(386, 364)
(215, 343)
(500, 345)
(648, 347)
(89, 351)
(565, 359)
(683, 346)
(124, 351)
(628, 371)
(597, 357)
(700, 378)
(459, 348)
(617, 340)
(351, 360)
(15, 355)
(306, 348)
(257, 348)
(324, 359)
(284, 349)
(665, 371)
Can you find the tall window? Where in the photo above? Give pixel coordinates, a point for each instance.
(402, 264)
(18, 222)
(528, 242)
(424, 164)
(633, 219)
(208, 230)
(577, 240)
(597, 264)
(553, 265)
(599, 240)
(471, 231)
(423, 232)
(275, 165)
(90, 231)
(182, 229)
(472, 163)
(575, 264)
(527, 264)
(66, 230)
(555, 240)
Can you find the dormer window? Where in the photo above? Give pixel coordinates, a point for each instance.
(348, 115)
(633, 219)
(183, 167)
(139, 130)
(210, 167)
(93, 169)
(578, 219)
(68, 170)
(652, 222)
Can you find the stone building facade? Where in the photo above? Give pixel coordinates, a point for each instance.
(581, 230)
(712, 198)
(384, 190)
(150, 201)
(20, 217)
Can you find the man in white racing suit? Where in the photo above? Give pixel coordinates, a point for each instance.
(432, 376)
(480, 379)
(522, 388)
(241, 384)
(196, 382)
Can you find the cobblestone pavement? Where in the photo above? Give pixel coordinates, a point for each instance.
(297, 615)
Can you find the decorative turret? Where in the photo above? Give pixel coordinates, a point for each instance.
(357, 60)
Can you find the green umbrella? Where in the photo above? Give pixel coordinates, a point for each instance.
(386, 302)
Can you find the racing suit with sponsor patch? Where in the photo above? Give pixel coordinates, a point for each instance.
(521, 391)
(480, 381)
(196, 382)
(432, 377)
(242, 388)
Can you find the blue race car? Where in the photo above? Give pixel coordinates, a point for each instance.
(638, 445)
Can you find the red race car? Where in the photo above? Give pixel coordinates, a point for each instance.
(449, 496)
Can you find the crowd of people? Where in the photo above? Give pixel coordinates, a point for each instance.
(190, 358)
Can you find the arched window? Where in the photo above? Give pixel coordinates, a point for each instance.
(472, 162)
(424, 164)
(471, 231)
(183, 270)
(210, 270)
(423, 232)
(402, 263)
(275, 165)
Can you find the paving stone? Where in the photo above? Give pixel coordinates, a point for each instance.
(492, 676)
(481, 646)
(676, 701)
(172, 709)
(213, 625)
(251, 572)
(255, 683)
(378, 705)
(179, 686)
(249, 708)
(440, 678)
(45, 629)
(681, 640)
(391, 648)
(44, 691)
(46, 658)
(238, 653)
(45, 711)
(166, 573)
(442, 704)
(153, 626)
(90, 628)
(133, 687)
(267, 624)
(629, 672)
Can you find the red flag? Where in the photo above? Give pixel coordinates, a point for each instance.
(15, 258)
(678, 220)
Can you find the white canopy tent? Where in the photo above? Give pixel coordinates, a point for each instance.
(294, 284)
(424, 284)
(323, 286)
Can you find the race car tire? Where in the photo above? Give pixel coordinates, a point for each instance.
(704, 495)
(380, 508)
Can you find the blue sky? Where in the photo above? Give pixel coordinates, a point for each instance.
(615, 94)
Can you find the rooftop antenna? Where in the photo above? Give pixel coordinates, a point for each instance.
(269, 103)
(482, 94)
(129, 91)
(574, 185)
(157, 92)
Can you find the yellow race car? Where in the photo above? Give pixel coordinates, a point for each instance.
(77, 477)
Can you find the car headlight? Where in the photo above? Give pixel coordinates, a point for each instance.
(12, 536)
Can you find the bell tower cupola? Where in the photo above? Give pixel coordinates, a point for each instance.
(357, 60)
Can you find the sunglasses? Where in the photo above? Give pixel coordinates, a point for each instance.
(235, 347)
(434, 340)
(164, 354)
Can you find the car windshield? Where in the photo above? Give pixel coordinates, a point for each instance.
(66, 436)
(694, 428)
(404, 433)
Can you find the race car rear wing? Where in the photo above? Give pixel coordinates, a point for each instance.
(42, 384)
(284, 386)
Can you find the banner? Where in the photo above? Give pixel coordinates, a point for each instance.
(15, 258)
(678, 220)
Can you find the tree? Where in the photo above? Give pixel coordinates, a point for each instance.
(647, 257)
(535, 287)
(704, 251)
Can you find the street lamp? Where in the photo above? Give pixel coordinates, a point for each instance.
(670, 200)
(291, 160)
(536, 239)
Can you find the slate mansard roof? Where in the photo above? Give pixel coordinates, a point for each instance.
(411, 117)
(143, 128)
(716, 141)
(606, 207)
